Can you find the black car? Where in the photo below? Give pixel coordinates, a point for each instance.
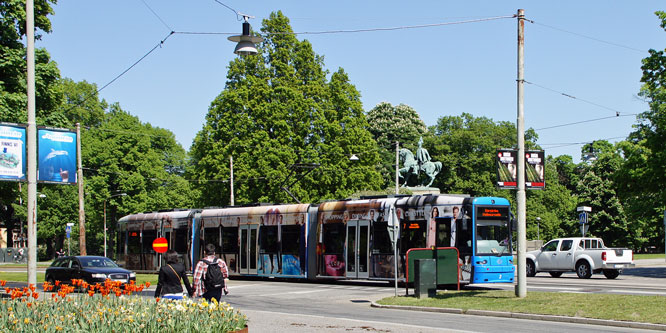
(92, 269)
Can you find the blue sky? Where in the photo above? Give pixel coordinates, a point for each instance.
(590, 50)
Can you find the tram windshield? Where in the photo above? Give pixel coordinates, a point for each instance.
(493, 235)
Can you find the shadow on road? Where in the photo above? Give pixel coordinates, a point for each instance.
(651, 272)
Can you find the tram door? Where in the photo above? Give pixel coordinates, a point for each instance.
(357, 250)
(248, 249)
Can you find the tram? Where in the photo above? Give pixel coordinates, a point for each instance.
(345, 239)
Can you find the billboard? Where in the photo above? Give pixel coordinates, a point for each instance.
(507, 169)
(12, 152)
(56, 155)
(534, 170)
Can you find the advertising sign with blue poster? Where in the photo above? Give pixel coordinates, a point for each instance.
(12, 152)
(56, 155)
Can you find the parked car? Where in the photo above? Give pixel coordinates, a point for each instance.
(92, 269)
(582, 255)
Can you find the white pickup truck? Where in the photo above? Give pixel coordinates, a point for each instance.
(582, 255)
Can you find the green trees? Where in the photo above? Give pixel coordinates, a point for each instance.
(278, 117)
(389, 124)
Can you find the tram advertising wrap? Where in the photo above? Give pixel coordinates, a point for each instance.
(348, 239)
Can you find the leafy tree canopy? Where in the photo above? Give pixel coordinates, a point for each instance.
(279, 117)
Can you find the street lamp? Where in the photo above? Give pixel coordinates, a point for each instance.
(538, 220)
(245, 41)
(114, 195)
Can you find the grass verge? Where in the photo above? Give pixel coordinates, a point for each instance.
(649, 256)
(646, 309)
(23, 277)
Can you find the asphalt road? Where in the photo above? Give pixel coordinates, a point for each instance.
(278, 306)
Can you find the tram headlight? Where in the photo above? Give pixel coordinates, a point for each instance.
(482, 262)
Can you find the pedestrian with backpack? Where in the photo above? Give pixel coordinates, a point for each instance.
(209, 276)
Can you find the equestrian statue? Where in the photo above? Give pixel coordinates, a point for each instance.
(414, 166)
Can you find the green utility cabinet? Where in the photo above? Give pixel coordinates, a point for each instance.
(425, 278)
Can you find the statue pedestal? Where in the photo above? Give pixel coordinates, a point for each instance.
(423, 190)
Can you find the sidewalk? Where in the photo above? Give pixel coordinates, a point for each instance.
(541, 317)
(650, 262)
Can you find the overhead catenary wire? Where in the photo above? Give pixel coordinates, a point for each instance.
(158, 17)
(617, 112)
(585, 121)
(158, 45)
(590, 38)
(568, 144)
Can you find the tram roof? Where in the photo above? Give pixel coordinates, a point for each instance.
(156, 216)
(255, 210)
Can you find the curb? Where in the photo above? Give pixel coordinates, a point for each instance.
(529, 316)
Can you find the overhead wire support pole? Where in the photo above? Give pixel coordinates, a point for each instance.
(521, 286)
(31, 143)
(397, 174)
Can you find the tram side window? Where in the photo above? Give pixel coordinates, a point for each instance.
(148, 238)
(268, 239)
(180, 241)
(381, 238)
(134, 242)
(464, 236)
(413, 235)
(334, 238)
(290, 238)
(212, 236)
(122, 237)
(230, 240)
(443, 238)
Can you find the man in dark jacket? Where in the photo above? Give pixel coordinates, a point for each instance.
(168, 282)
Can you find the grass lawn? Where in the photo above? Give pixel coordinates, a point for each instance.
(649, 256)
(23, 277)
(648, 309)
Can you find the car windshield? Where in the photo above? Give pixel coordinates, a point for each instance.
(97, 262)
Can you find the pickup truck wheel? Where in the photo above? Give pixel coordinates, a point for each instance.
(555, 274)
(583, 270)
(530, 268)
(611, 273)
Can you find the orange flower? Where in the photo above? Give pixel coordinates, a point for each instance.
(29, 304)
(7, 290)
(32, 287)
(157, 299)
(90, 293)
(35, 295)
(148, 284)
(57, 283)
(3, 283)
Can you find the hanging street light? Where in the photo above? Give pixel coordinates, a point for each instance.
(246, 42)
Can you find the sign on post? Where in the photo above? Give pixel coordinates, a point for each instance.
(582, 218)
(12, 152)
(160, 245)
(56, 155)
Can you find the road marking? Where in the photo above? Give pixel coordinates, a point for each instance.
(556, 288)
(637, 292)
(293, 292)
(291, 315)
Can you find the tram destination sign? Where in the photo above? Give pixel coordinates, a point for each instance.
(492, 213)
